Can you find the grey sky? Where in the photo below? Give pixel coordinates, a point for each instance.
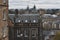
(19, 4)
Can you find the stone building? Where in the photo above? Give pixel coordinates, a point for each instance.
(41, 11)
(25, 26)
(29, 19)
(28, 11)
(58, 12)
(3, 19)
(49, 21)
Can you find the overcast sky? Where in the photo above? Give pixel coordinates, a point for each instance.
(19, 4)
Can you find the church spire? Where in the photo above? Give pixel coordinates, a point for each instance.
(34, 7)
(27, 7)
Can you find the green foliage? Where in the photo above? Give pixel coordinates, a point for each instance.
(57, 37)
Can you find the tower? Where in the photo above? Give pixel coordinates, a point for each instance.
(27, 7)
(34, 7)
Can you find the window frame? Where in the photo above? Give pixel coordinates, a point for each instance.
(4, 15)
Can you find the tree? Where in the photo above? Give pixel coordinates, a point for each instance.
(57, 37)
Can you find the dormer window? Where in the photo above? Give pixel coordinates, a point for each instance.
(34, 21)
(4, 1)
(26, 20)
(19, 20)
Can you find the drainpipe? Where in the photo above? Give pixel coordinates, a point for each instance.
(41, 29)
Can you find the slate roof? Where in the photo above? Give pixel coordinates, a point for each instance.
(47, 33)
(44, 16)
(57, 22)
(25, 18)
(11, 16)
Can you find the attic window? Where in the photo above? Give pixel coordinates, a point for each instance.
(19, 21)
(26, 20)
(34, 21)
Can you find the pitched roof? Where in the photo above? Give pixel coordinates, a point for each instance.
(25, 17)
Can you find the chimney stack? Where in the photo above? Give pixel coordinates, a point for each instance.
(16, 12)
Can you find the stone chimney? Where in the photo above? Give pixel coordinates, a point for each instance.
(41, 11)
(16, 12)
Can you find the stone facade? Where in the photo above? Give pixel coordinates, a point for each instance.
(25, 17)
(3, 19)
